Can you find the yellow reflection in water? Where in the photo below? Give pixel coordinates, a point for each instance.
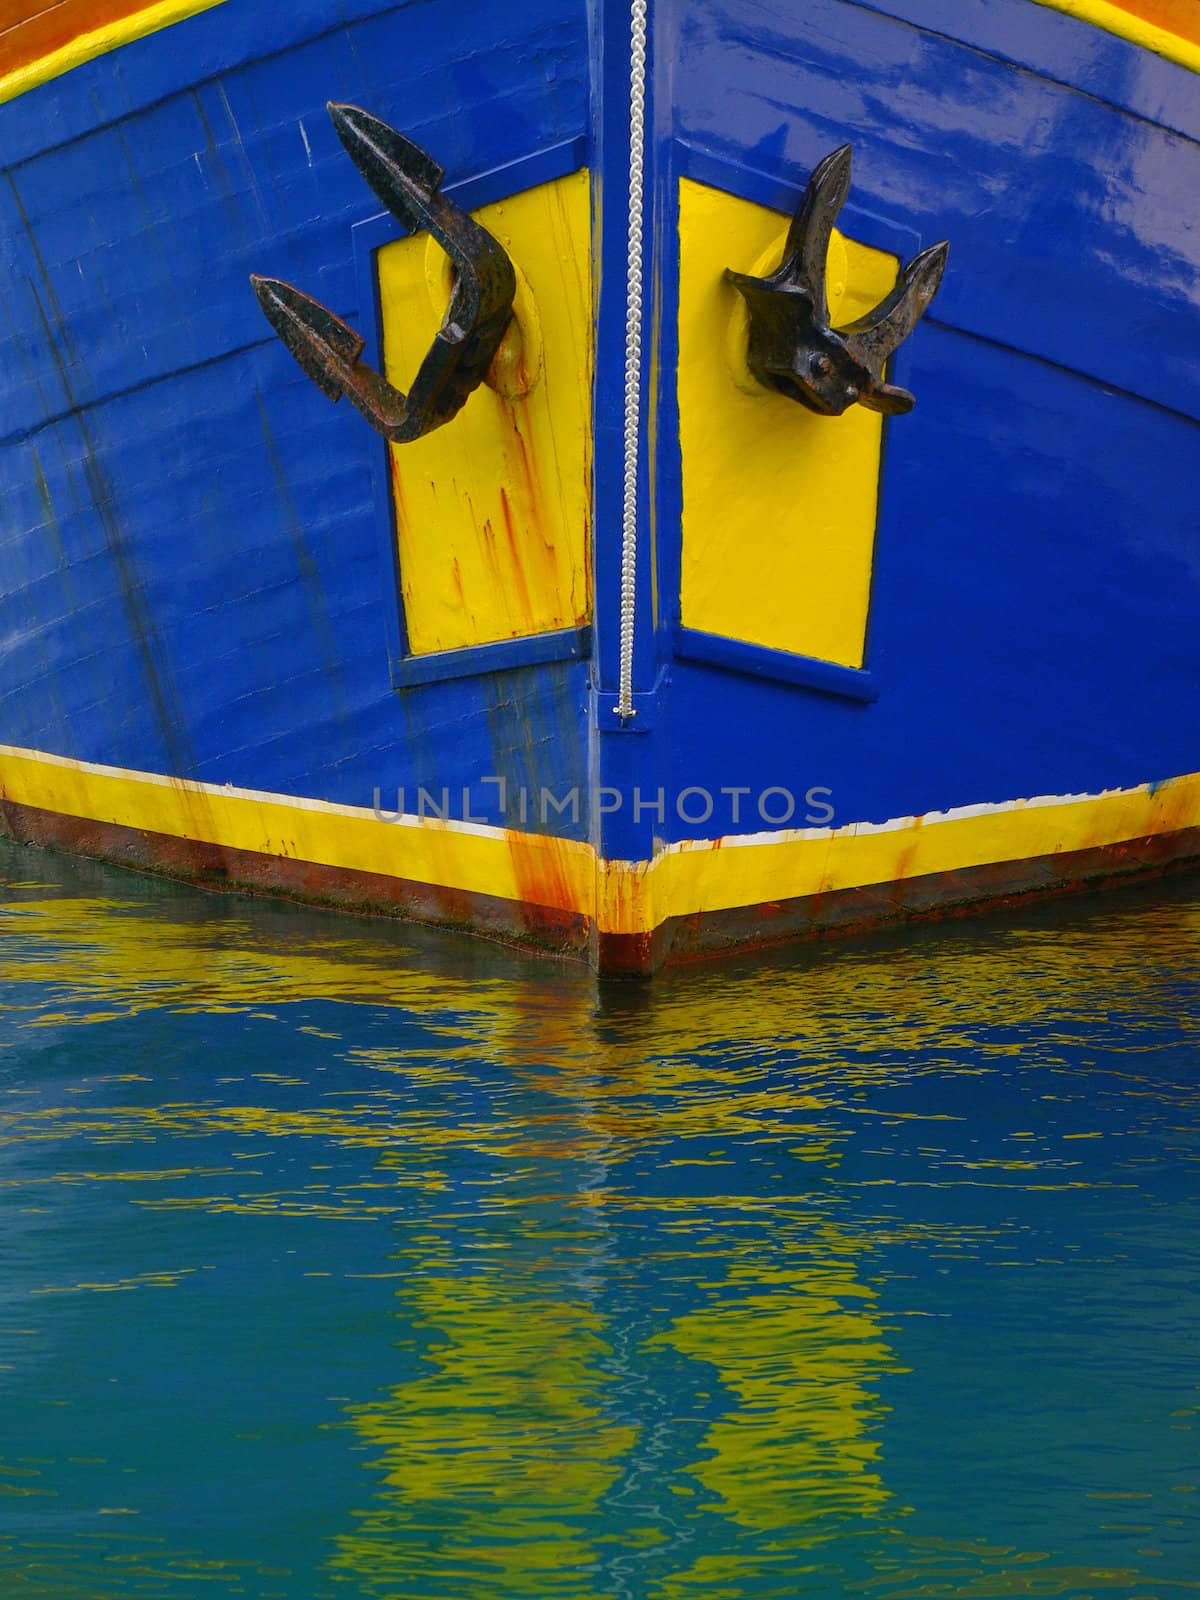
(109, 958)
(493, 1464)
(798, 1350)
(916, 1008)
(493, 1459)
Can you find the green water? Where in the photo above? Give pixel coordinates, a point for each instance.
(341, 1259)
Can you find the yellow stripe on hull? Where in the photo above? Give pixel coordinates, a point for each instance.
(621, 898)
(464, 856)
(690, 879)
(98, 41)
(1157, 25)
(1162, 26)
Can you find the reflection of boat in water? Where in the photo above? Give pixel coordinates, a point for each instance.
(622, 1295)
(630, 669)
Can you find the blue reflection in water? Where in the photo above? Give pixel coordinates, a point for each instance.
(342, 1259)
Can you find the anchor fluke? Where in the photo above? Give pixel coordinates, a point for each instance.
(407, 179)
(323, 344)
(806, 252)
(875, 338)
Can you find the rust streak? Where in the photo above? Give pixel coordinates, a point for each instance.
(524, 621)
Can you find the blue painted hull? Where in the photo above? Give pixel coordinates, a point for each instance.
(194, 581)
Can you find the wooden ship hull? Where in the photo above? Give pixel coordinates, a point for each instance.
(631, 656)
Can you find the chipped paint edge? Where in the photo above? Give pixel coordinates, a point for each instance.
(534, 874)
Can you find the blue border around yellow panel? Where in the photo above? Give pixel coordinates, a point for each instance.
(760, 661)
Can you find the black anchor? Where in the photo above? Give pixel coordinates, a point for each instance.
(793, 348)
(407, 180)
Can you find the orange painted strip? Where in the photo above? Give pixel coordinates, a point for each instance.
(30, 30)
(1180, 17)
(26, 38)
(1167, 28)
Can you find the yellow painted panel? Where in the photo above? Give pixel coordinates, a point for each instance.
(493, 511)
(779, 505)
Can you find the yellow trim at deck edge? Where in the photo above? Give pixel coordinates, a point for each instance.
(618, 897)
(87, 46)
(1114, 19)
